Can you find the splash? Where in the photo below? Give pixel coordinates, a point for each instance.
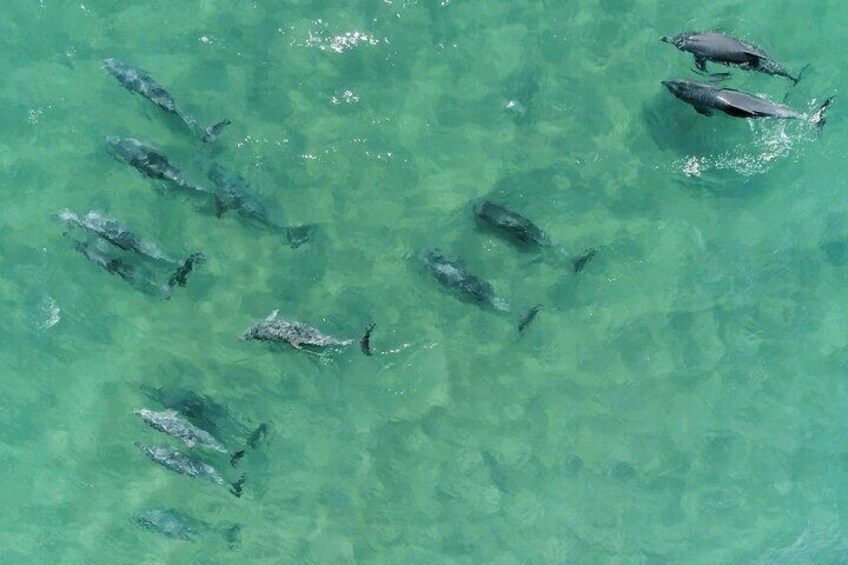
(50, 313)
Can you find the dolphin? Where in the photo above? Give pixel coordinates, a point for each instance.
(198, 409)
(133, 274)
(511, 224)
(455, 276)
(139, 81)
(296, 334)
(117, 234)
(150, 162)
(184, 465)
(726, 50)
(171, 423)
(232, 192)
(706, 98)
(136, 275)
(181, 526)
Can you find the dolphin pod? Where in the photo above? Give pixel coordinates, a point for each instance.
(707, 98)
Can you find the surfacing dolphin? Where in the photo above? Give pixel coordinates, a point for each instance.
(296, 334)
(707, 98)
(138, 80)
(455, 276)
(150, 162)
(232, 192)
(726, 50)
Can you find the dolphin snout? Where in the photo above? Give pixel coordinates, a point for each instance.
(665, 38)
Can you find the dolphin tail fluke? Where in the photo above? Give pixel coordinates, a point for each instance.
(181, 274)
(796, 79)
(365, 341)
(237, 488)
(236, 457)
(581, 262)
(211, 133)
(819, 118)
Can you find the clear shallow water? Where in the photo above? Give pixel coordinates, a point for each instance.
(681, 400)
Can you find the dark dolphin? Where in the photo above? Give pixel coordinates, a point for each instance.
(232, 192)
(181, 526)
(139, 81)
(511, 224)
(726, 50)
(706, 98)
(150, 162)
(455, 276)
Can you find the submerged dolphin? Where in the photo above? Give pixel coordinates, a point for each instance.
(133, 274)
(511, 224)
(139, 81)
(185, 465)
(726, 50)
(199, 409)
(232, 192)
(455, 276)
(706, 98)
(296, 334)
(181, 526)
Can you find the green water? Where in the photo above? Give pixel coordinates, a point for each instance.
(682, 400)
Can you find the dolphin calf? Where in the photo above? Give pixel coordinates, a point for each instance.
(181, 526)
(454, 275)
(232, 192)
(171, 423)
(726, 50)
(184, 465)
(706, 98)
(296, 334)
(150, 162)
(139, 81)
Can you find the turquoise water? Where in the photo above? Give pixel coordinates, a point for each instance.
(681, 400)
